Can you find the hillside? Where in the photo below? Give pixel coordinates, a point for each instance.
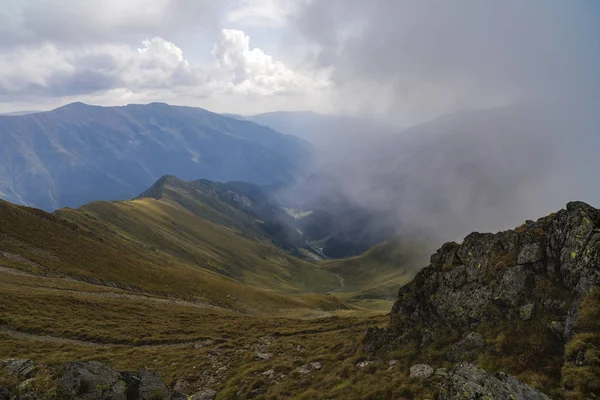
(379, 272)
(523, 302)
(80, 153)
(218, 268)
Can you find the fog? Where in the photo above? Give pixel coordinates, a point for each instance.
(493, 105)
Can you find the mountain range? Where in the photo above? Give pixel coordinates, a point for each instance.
(80, 153)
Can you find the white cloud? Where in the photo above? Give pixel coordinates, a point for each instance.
(252, 71)
(54, 71)
(157, 71)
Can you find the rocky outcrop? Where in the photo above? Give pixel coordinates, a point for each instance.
(503, 272)
(92, 381)
(468, 382)
(529, 283)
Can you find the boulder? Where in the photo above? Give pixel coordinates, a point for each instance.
(421, 371)
(150, 386)
(91, 380)
(206, 394)
(466, 347)
(21, 367)
(316, 365)
(469, 382)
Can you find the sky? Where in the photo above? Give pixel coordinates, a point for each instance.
(402, 60)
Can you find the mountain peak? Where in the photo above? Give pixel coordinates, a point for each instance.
(74, 106)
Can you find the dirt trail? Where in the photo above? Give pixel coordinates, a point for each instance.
(341, 283)
(6, 330)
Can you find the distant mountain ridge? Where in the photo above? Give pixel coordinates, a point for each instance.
(79, 153)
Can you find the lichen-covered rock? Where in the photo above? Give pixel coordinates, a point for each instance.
(551, 264)
(150, 386)
(206, 394)
(421, 371)
(530, 253)
(91, 380)
(526, 311)
(469, 382)
(20, 367)
(466, 347)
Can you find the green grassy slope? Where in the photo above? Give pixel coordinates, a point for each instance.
(43, 244)
(379, 272)
(187, 223)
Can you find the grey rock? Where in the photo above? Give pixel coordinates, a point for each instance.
(303, 370)
(181, 386)
(316, 365)
(421, 371)
(530, 253)
(150, 386)
(441, 372)
(526, 311)
(466, 347)
(26, 385)
(469, 382)
(91, 380)
(392, 363)
(511, 289)
(363, 364)
(259, 356)
(206, 394)
(21, 367)
(269, 373)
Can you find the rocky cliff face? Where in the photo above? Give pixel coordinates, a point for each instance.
(521, 299)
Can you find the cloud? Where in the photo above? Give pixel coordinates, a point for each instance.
(26, 22)
(50, 70)
(437, 57)
(252, 71)
(157, 65)
(264, 13)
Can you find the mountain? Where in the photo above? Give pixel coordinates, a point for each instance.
(523, 301)
(472, 170)
(80, 153)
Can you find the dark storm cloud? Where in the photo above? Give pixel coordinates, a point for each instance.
(455, 54)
